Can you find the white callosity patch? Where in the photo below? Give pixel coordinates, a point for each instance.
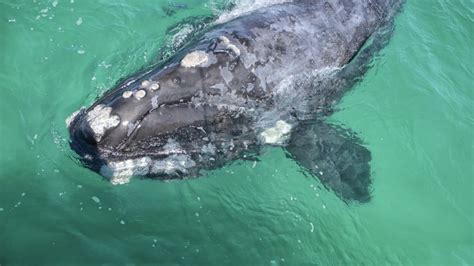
(100, 120)
(194, 59)
(209, 149)
(277, 134)
(234, 49)
(229, 45)
(172, 147)
(154, 102)
(173, 164)
(120, 172)
(225, 40)
(139, 94)
(226, 74)
(127, 94)
(145, 84)
(154, 86)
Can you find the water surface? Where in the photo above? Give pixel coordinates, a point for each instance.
(414, 111)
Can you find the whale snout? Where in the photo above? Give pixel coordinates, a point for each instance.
(140, 113)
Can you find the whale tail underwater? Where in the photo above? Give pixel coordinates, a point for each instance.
(269, 77)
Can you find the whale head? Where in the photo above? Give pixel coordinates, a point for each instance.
(160, 120)
(142, 118)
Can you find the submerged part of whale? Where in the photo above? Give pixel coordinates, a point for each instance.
(268, 77)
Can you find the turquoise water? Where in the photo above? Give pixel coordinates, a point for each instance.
(414, 111)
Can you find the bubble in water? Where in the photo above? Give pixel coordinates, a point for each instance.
(96, 199)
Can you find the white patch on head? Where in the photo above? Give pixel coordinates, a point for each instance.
(70, 118)
(209, 148)
(229, 45)
(121, 172)
(154, 86)
(154, 102)
(277, 134)
(100, 120)
(127, 94)
(226, 74)
(173, 164)
(194, 59)
(145, 84)
(172, 147)
(234, 49)
(224, 39)
(139, 94)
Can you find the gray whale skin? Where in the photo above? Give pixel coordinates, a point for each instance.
(269, 77)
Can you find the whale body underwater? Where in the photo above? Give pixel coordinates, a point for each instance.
(269, 77)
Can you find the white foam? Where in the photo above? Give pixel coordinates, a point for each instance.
(79, 21)
(72, 116)
(96, 199)
(180, 37)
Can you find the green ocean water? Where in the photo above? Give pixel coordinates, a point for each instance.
(414, 111)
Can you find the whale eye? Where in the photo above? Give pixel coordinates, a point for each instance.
(177, 80)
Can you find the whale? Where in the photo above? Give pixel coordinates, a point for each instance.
(270, 77)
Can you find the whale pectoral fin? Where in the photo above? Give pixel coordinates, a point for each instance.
(336, 158)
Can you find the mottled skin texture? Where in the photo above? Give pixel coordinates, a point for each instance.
(279, 63)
